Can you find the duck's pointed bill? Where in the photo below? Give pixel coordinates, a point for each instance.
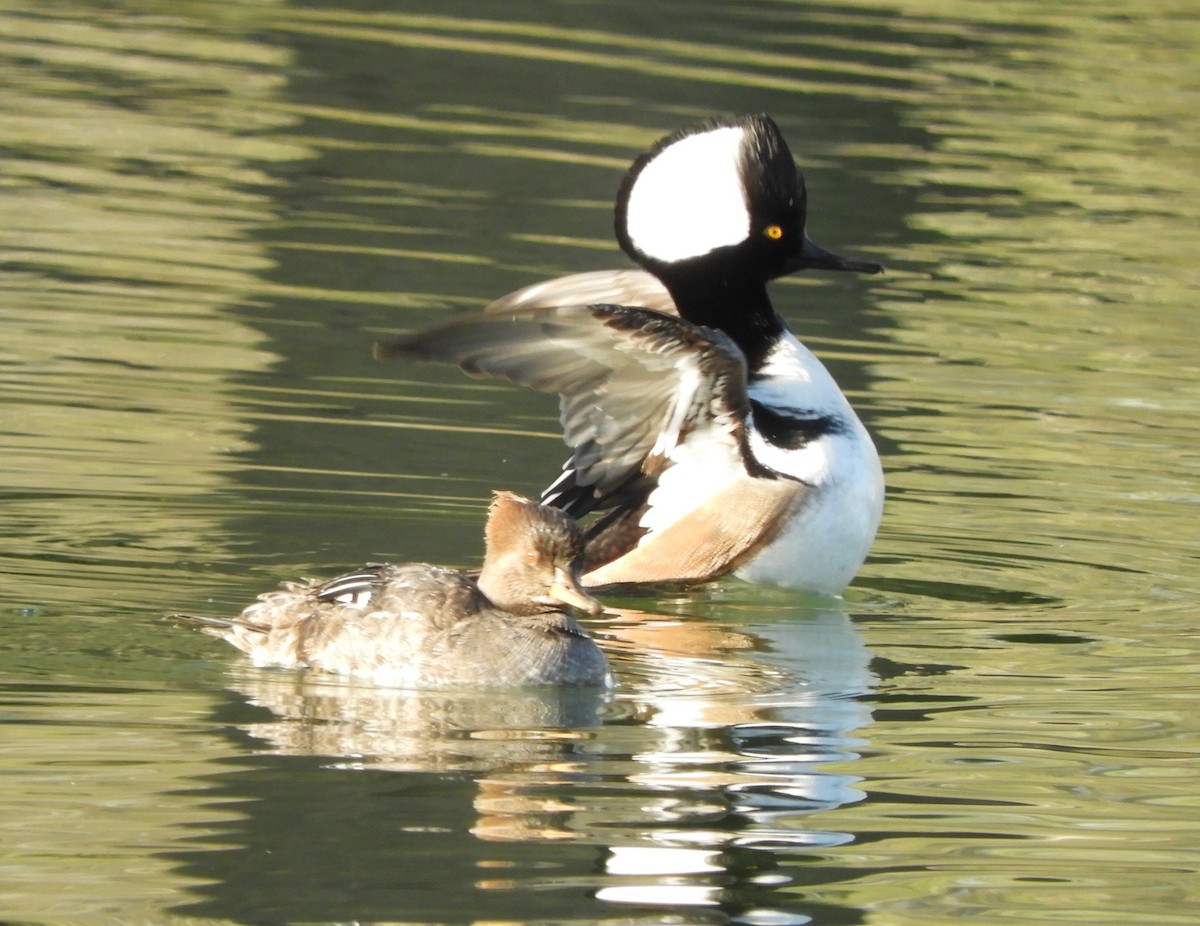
(814, 257)
(566, 589)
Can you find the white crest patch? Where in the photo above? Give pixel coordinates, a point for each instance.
(689, 200)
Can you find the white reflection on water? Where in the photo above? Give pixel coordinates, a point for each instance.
(719, 738)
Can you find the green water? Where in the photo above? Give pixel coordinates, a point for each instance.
(208, 212)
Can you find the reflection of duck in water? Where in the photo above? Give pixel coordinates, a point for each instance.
(737, 713)
(421, 626)
(359, 725)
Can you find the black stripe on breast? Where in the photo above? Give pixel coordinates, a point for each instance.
(793, 429)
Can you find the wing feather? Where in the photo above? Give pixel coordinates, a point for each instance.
(633, 384)
(718, 535)
(598, 287)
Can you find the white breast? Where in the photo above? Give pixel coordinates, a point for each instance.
(823, 547)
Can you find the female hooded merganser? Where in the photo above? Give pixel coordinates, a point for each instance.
(705, 435)
(420, 626)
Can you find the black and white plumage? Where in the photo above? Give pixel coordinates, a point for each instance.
(704, 436)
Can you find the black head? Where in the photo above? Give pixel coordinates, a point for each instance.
(723, 198)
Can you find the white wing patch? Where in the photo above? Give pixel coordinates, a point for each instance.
(700, 467)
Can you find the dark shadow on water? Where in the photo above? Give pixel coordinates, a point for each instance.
(359, 803)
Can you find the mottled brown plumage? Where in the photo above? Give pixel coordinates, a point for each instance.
(422, 626)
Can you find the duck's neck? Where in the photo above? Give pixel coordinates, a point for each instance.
(738, 307)
(500, 587)
(497, 585)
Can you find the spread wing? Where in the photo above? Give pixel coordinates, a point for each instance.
(607, 287)
(633, 384)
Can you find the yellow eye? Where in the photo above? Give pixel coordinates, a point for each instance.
(774, 232)
(533, 557)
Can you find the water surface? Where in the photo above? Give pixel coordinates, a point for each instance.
(211, 210)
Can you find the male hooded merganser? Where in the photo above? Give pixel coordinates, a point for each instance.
(421, 626)
(705, 435)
